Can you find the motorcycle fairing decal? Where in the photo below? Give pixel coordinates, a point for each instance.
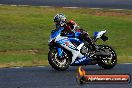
(76, 40)
(70, 46)
(70, 35)
(66, 42)
(62, 40)
(81, 61)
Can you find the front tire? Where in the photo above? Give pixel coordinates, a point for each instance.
(107, 62)
(59, 64)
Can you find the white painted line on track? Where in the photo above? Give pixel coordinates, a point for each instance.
(95, 8)
(107, 8)
(126, 63)
(45, 6)
(26, 66)
(1, 4)
(13, 5)
(41, 66)
(65, 7)
(71, 7)
(17, 67)
(23, 5)
(116, 9)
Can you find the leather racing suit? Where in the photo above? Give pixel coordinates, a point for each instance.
(72, 27)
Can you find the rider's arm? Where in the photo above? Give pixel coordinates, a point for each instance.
(73, 25)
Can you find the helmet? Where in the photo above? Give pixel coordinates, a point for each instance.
(60, 19)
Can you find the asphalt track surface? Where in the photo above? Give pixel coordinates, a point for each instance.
(112, 4)
(46, 77)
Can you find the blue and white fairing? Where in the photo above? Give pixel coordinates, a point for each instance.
(55, 34)
(66, 42)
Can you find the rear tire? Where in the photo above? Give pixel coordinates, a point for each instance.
(113, 57)
(55, 61)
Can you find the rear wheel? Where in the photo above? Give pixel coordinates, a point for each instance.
(57, 63)
(107, 61)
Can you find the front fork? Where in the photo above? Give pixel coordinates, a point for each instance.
(60, 52)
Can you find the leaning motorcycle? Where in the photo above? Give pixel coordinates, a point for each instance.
(65, 51)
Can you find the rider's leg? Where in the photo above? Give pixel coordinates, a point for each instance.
(87, 38)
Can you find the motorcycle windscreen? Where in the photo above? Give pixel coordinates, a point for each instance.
(56, 32)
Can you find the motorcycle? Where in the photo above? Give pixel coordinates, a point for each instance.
(65, 51)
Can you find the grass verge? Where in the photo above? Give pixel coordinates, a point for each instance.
(24, 32)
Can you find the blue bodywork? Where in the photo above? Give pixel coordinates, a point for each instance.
(56, 32)
(60, 52)
(96, 33)
(69, 38)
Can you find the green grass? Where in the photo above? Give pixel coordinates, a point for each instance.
(24, 32)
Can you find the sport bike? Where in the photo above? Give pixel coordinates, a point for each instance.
(70, 50)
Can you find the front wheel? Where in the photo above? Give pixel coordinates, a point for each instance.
(107, 61)
(57, 63)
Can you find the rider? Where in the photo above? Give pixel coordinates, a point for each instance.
(72, 27)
